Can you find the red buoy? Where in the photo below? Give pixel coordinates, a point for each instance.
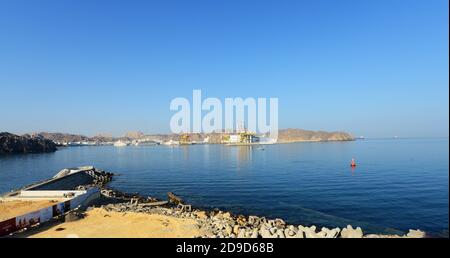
(353, 164)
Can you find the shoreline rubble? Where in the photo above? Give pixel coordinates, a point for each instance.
(221, 224)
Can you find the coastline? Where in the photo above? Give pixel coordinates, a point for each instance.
(116, 214)
(131, 221)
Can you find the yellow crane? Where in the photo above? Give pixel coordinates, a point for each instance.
(246, 137)
(185, 139)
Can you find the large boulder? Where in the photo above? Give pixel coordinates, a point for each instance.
(416, 233)
(349, 232)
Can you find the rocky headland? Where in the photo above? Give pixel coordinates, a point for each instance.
(11, 143)
(300, 135)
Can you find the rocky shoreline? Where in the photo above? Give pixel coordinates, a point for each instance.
(221, 224)
(211, 223)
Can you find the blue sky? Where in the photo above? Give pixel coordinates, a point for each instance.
(373, 68)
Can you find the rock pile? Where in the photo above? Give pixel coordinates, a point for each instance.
(224, 225)
(118, 195)
(101, 178)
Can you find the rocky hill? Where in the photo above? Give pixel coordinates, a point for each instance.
(11, 143)
(299, 135)
(67, 137)
(61, 137)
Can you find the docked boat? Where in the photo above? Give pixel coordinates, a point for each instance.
(171, 142)
(120, 144)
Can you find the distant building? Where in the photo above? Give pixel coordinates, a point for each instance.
(234, 138)
(243, 137)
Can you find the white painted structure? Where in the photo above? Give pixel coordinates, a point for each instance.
(234, 138)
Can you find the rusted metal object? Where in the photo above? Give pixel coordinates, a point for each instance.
(174, 198)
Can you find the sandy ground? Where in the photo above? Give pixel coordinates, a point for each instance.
(11, 209)
(101, 223)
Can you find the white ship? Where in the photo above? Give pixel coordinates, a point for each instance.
(120, 144)
(171, 142)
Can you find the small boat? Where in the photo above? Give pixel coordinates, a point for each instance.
(120, 144)
(171, 142)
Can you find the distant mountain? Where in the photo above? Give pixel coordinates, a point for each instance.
(62, 137)
(66, 137)
(11, 143)
(299, 135)
(134, 135)
(284, 136)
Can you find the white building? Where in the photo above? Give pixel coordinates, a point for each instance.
(234, 138)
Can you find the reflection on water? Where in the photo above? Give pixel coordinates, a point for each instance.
(244, 155)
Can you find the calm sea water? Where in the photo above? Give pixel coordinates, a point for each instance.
(397, 185)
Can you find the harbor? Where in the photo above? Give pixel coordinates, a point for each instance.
(302, 183)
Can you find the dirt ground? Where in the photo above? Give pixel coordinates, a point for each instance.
(11, 209)
(101, 223)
